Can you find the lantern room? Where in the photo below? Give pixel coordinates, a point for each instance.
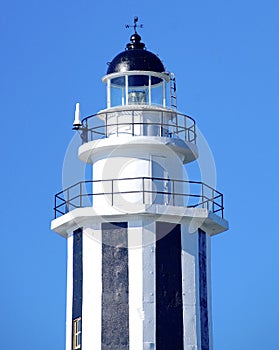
(137, 76)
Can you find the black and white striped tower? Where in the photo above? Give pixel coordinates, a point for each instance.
(139, 231)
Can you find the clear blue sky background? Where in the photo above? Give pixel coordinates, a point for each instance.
(225, 56)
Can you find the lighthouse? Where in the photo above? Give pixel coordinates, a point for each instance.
(138, 230)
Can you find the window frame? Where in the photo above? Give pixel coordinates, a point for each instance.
(77, 333)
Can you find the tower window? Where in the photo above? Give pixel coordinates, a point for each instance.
(77, 333)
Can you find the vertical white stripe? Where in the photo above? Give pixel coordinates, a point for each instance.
(149, 283)
(92, 289)
(189, 287)
(136, 314)
(69, 302)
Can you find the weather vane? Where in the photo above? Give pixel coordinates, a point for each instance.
(135, 25)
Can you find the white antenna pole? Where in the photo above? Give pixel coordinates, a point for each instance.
(77, 122)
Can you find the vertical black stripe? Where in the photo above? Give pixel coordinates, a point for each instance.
(203, 291)
(77, 274)
(115, 302)
(169, 307)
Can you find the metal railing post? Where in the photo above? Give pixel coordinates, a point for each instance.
(106, 125)
(143, 191)
(67, 202)
(80, 194)
(133, 123)
(186, 137)
(149, 91)
(177, 126)
(112, 189)
(173, 195)
(161, 126)
(203, 199)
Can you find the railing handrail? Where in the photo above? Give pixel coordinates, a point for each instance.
(162, 110)
(188, 126)
(216, 198)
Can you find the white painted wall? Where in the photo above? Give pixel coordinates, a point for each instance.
(189, 287)
(69, 301)
(133, 163)
(149, 283)
(119, 167)
(92, 288)
(136, 311)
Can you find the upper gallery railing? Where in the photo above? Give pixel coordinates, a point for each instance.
(138, 122)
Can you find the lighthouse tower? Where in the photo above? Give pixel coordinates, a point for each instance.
(138, 232)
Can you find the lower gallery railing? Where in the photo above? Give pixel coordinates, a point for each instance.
(140, 190)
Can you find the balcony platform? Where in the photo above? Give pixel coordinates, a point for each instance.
(202, 218)
(187, 151)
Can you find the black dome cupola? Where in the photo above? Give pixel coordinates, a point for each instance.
(135, 57)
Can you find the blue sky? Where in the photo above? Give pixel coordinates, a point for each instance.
(225, 56)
